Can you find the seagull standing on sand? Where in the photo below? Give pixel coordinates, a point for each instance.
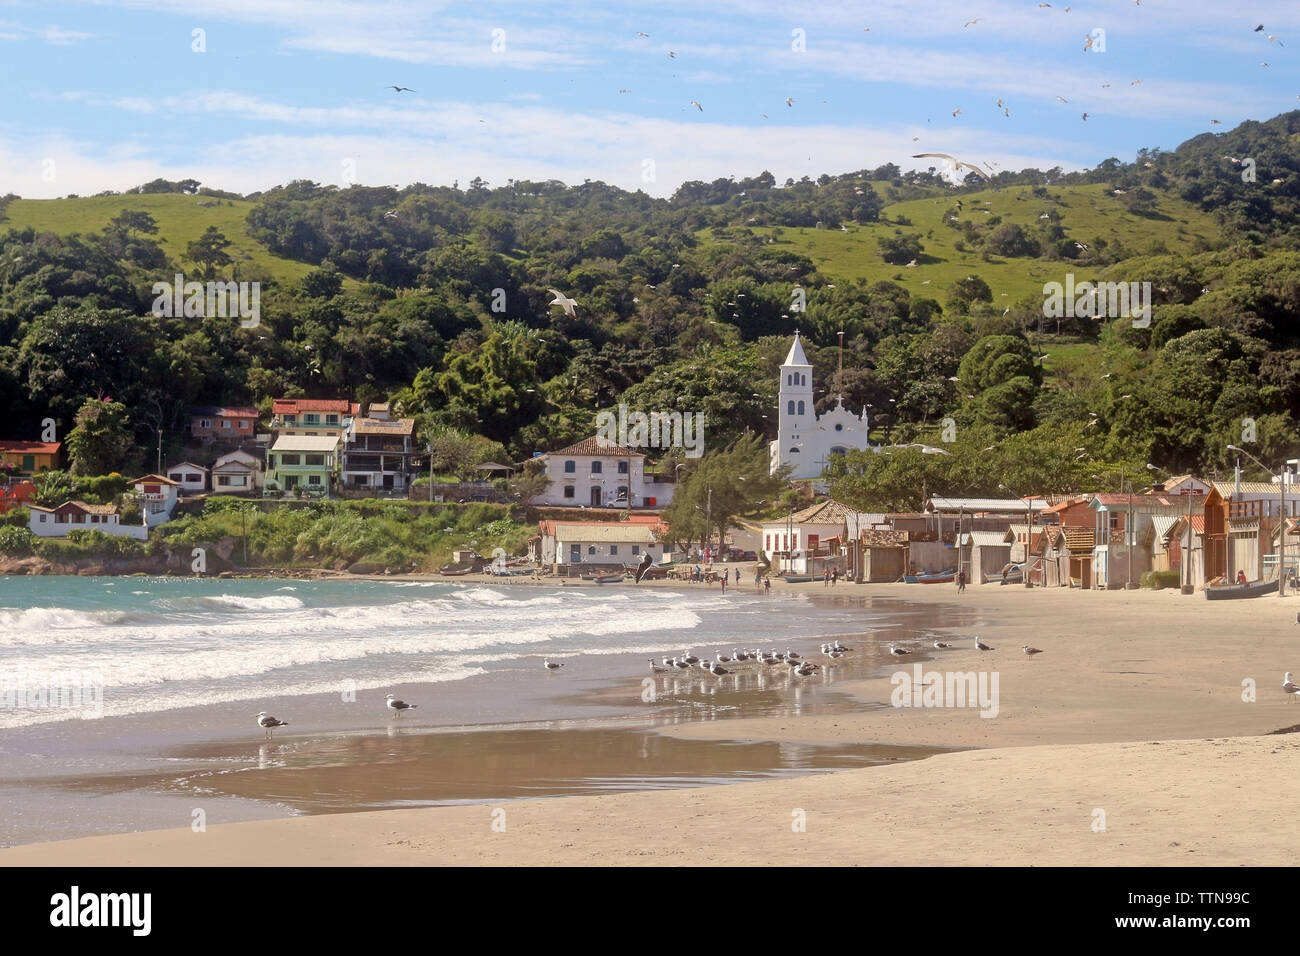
(397, 706)
(1029, 651)
(566, 303)
(657, 668)
(269, 723)
(941, 645)
(898, 651)
(981, 646)
(1289, 686)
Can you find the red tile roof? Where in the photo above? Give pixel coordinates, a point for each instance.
(595, 447)
(31, 447)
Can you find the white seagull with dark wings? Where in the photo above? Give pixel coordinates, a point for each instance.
(564, 302)
(397, 706)
(269, 723)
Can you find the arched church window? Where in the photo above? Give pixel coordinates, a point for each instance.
(794, 451)
(839, 426)
(801, 408)
(790, 409)
(803, 379)
(839, 450)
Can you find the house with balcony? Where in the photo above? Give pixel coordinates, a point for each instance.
(31, 457)
(308, 462)
(222, 423)
(157, 495)
(311, 417)
(598, 473)
(80, 515)
(377, 454)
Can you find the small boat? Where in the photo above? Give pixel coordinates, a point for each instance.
(652, 573)
(797, 578)
(932, 577)
(1232, 592)
(455, 570)
(603, 578)
(1011, 574)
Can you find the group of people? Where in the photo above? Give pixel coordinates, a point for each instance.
(830, 577)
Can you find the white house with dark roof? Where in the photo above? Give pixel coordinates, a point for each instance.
(596, 545)
(596, 473)
(157, 495)
(190, 477)
(238, 473)
(805, 440)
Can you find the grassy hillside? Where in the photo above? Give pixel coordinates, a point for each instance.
(181, 220)
(1087, 212)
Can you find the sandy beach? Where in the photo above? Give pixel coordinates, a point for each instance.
(1127, 741)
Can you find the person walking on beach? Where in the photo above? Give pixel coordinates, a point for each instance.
(826, 578)
(835, 576)
(961, 581)
(767, 586)
(724, 584)
(758, 578)
(737, 577)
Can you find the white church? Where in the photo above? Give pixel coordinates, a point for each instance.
(805, 439)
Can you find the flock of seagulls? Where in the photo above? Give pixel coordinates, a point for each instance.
(794, 661)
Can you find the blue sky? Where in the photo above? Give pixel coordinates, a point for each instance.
(111, 93)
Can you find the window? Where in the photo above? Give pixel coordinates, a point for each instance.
(223, 481)
(794, 451)
(317, 460)
(568, 491)
(801, 408)
(311, 419)
(838, 450)
(613, 549)
(244, 424)
(286, 459)
(205, 423)
(29, 462)
(1114, 520)
(192, 479)
(803, 379)
(313, 479)
(43, 517)
(176, 476)
(225, 423)
(636, 549)
(790, 408)
(570, 467)
(622, 468)
(595, 467)
(331, 419)
(591, 549)
(839, 426)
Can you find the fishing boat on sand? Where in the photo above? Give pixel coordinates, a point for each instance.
(931, 577)
(603, 578)
(1233, 592)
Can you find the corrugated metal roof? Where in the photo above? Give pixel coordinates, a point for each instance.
(1007, 505)
(986, 539)
(1229, 488)
(1163, 525)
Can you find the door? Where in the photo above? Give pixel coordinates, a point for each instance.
(575, 554)
(595, 497)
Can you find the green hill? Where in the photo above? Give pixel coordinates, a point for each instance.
(181, 219)
(1087, 213)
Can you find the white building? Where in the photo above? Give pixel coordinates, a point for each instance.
(596, 473)
(237, 473)
(190, 477)
(806, 440)
(791, 541)
(599, 544)
(78, 515)
(157, 495)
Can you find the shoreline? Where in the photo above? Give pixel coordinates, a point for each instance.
(1077, 730)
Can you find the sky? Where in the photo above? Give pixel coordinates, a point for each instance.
(247, 94)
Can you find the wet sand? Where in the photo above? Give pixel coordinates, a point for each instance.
(1074, 734)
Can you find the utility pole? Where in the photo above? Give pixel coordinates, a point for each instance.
(708, 518)
(160, 474)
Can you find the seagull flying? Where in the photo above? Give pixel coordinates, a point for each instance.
(955, 164)
(696, 104)
(565, 303)
(400, 89)
(789, 101)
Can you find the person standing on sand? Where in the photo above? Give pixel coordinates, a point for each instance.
(724, 584)
(767, 585)
(826, 578)
(835, 576)
(961, 581)
(758, 578)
